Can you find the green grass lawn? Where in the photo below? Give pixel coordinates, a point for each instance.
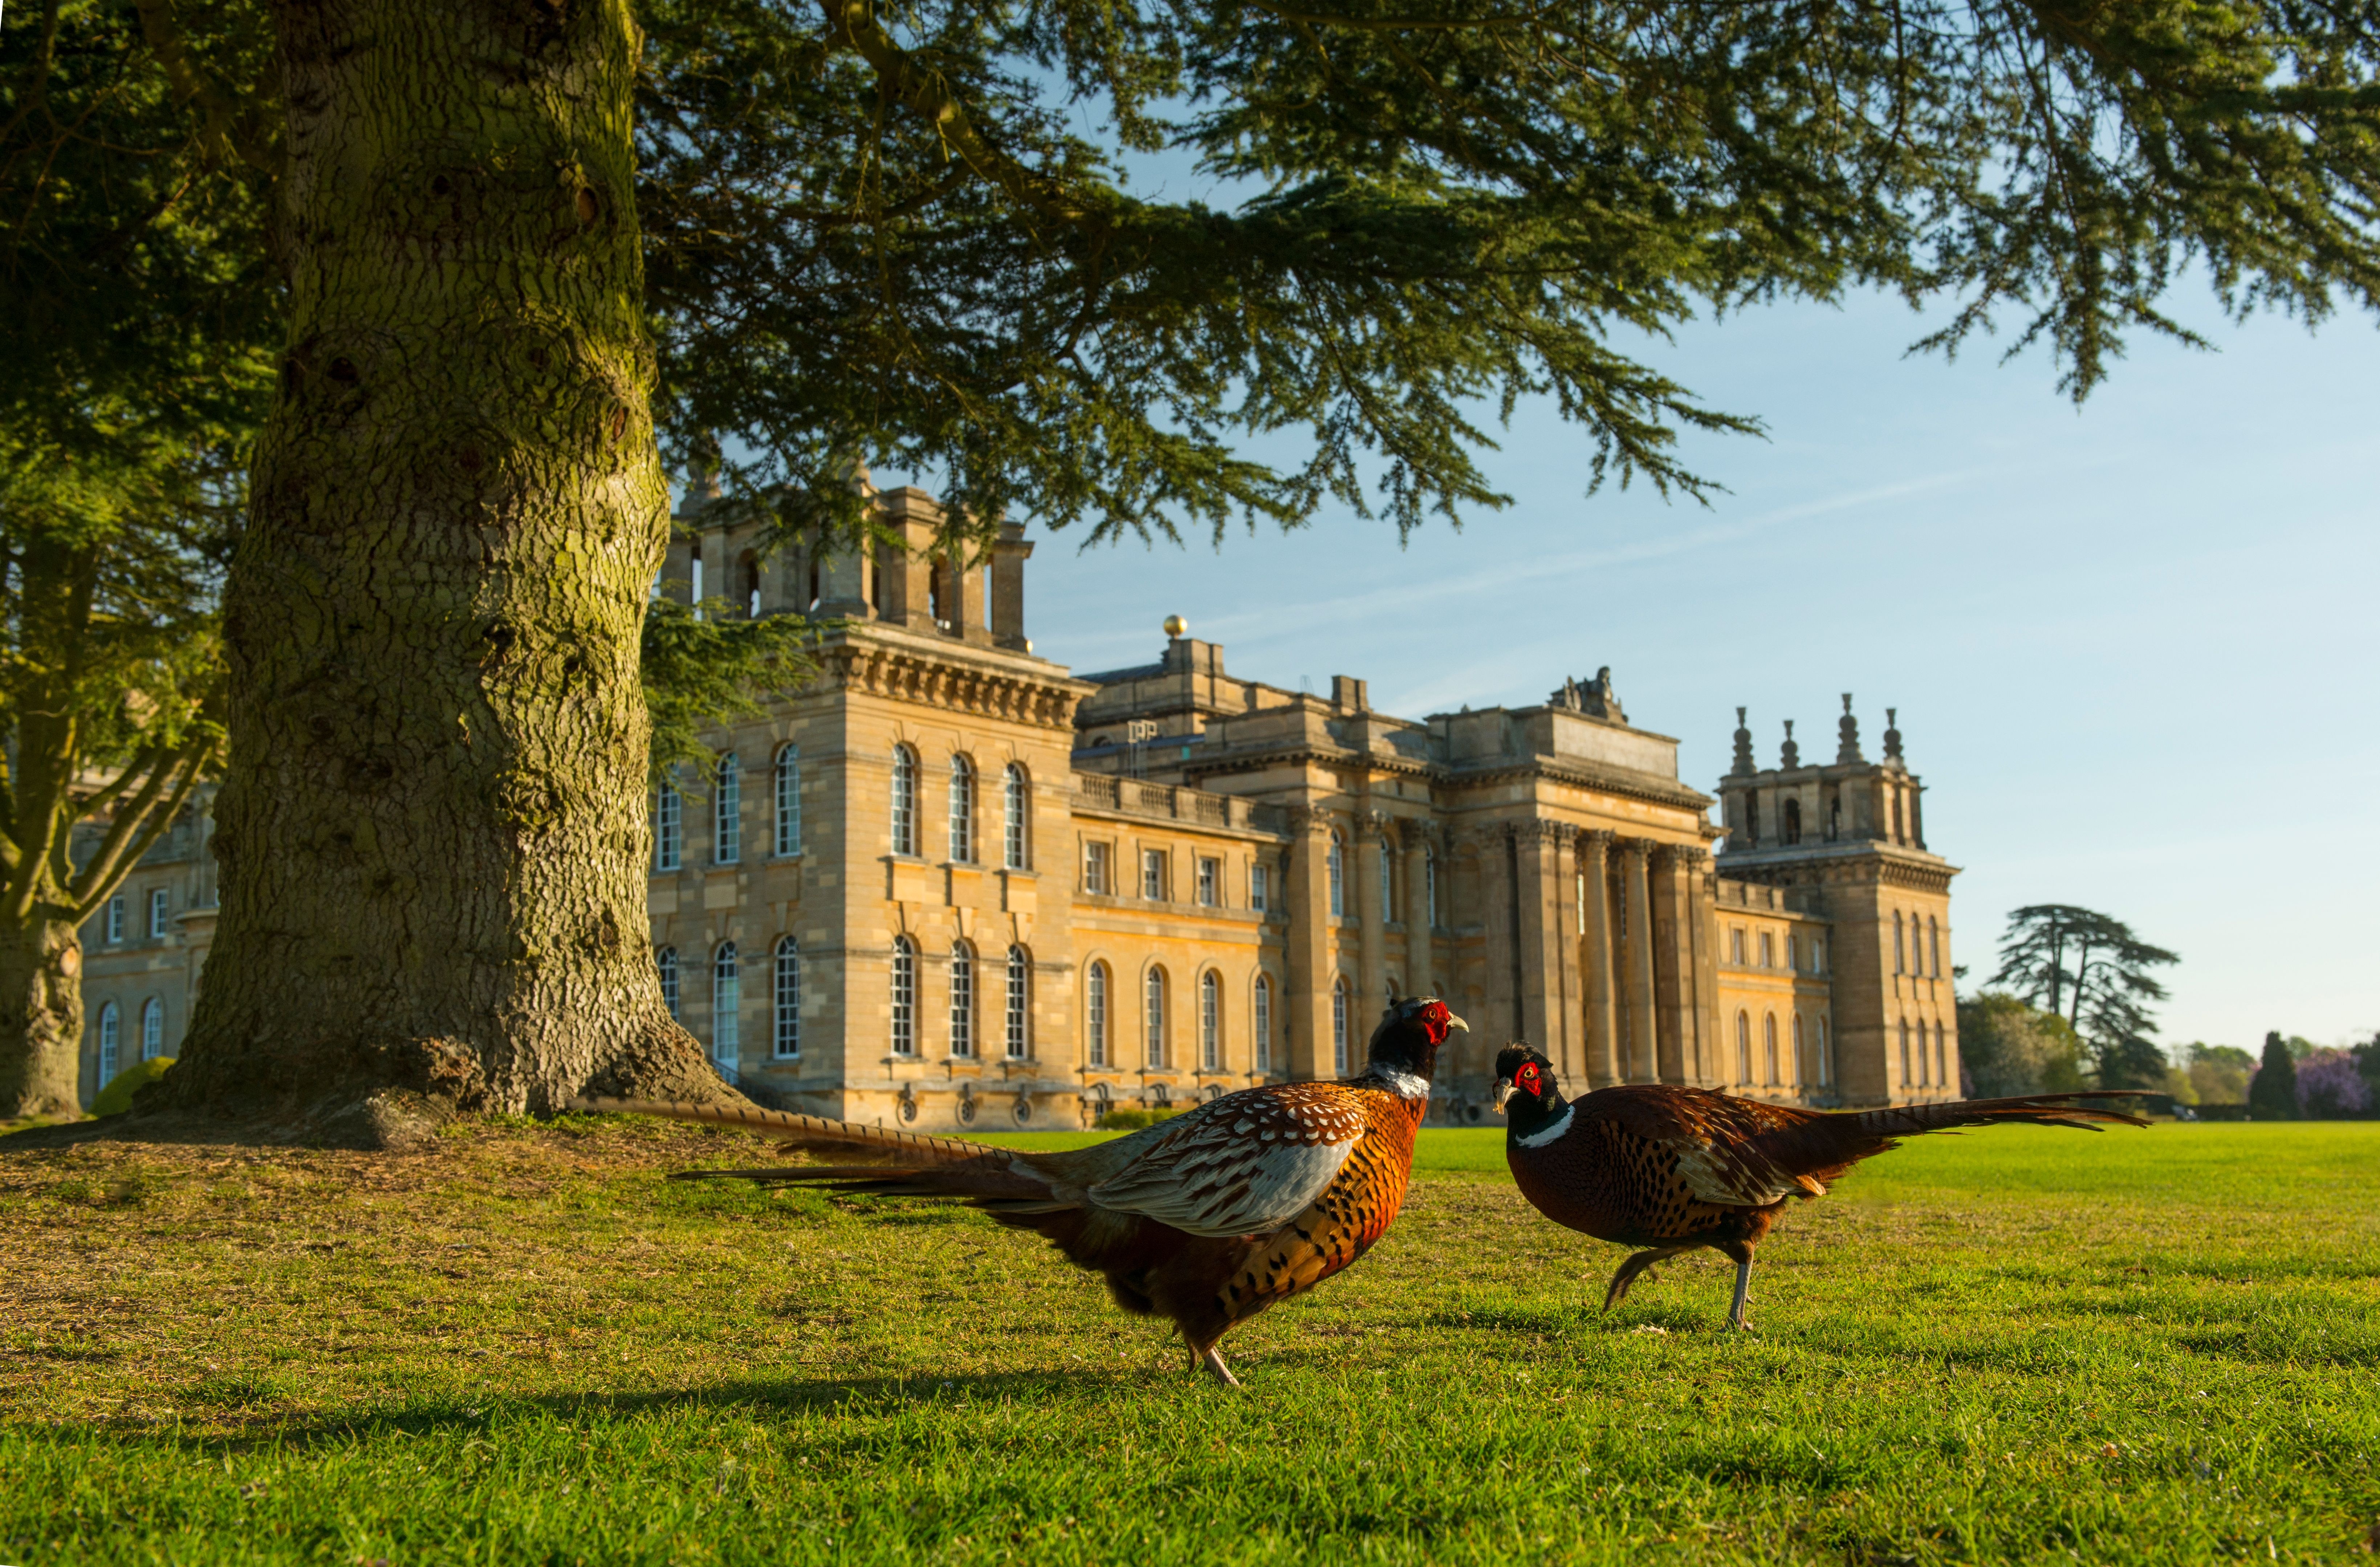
(525, 1346)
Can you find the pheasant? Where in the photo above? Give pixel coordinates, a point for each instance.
(1206, 1219)
(1671, 1169)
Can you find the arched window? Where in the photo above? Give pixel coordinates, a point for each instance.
(1430, 877)
(110, 1037)
(1752, 818)
(789, 800)
(748, 582)
(1019, 1011)
(1769, 1046)
(1908, 1073)
(961, 811)
(1895, 816)
(1743, 1046)
(668, 840)
(1801, 1060)
(1153, 1030)
(1210, 1022)
(1263, 1023)
(1834, 818)
(1388, 883)
(666, 961)
(786, 999)
(726, 999)
(153, 1029)
(727, 812)
(1338, 878)
(904, 800)
(962, 999)
(1899, 963)
(1792, 820)
(1826, 1056)
(1016, 814)
(1339, 1050)
(1933, 947)
(1094, 1015)
(905, 996)
(1941, 1056)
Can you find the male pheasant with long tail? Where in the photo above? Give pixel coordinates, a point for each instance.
(1207, 1218)
(1671, 1169)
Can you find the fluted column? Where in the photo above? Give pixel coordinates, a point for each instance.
(1311, 934)
(1603, 1051)
(1372, 913)
(1642, 1064)
(1415, 836)
(1702, 911)
(1673, 974)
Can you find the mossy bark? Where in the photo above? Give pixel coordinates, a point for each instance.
(432, 833)
(40, 1017)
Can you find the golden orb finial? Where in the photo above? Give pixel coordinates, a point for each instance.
(1176, 627)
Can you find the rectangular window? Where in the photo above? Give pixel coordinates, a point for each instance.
(115, 918)
(1768, 950)
(1735, 946)
(159, 901)
(788, 1000)
(1259, 888)
(1211, 881)
(727, 813)
(1020, 995)
(1152, 875)
(668, 844)
(1095, 867)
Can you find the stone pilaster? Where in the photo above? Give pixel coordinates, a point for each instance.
(1415, 838)
(1643, 1062)
(1538, 886)
(1602, 1011)
(1372, 914)
(1307, 1018)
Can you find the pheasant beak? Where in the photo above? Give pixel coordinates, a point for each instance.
(1454, 1021)
(1504, 1092)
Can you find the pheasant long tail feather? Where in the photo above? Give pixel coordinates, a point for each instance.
(2041, 1110)
(810, 1132)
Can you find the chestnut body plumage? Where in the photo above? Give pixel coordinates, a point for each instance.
(1670, 1169)
(1205, 1219)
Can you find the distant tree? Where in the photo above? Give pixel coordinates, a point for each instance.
(2366, 1057)
(2009, 1047)
(2219, 1072)
(2273, 1095)
(2091, 968)
(2329, 1089)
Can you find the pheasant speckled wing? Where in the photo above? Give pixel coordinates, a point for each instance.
(1242, 1165)
(1716, 1139)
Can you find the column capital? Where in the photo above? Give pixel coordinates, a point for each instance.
(1537, 828)
(1372, 824)
(1308, 821)
(1598, 838)
(1415, 833)
(1637, 848)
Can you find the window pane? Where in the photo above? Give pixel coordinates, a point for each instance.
(727, 1003)
(1094, 1015)
(905, 801)
(1339, 1050)
(961, 811)
(1211, 1024)
(666, 961)
(727, 812)
(789, 801)
(1263, 1024)
(961, 1000)
(788, 998)
(1014, 817)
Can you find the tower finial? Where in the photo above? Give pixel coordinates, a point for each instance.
(1793, 758)
(1743, 763)
(1849, 750)
(1893, 735)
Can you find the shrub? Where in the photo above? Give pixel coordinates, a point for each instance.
(2329, 1089)
(117, 1097)
(1133, 1120)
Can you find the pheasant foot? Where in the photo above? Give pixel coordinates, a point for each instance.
(1213, 1359)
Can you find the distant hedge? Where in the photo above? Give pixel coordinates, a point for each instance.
(1133, 1120)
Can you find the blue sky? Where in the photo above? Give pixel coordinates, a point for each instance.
(2131, 645)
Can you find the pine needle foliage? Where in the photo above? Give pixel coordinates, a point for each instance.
(908, 232)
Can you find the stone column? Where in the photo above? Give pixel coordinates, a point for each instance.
(1415, 835)
(1008, 558)
(1306, 900)
(1537, 867)
(1701, 952)
(1603, 1051)
(1372, 914)
(1674, 962)
(1568, 927)
(1642, 1064)
(1500, 965)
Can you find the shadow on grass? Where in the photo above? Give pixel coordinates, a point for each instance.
(468, 1416)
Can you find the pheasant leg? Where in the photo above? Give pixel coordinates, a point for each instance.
(1740, 1254)
(1629, 1270)
(1211, 1358)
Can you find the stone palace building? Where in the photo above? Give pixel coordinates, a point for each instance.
(952, 884)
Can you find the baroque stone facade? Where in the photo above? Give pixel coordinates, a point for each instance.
(951, 884)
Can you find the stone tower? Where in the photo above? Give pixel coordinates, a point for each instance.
(1845, 840)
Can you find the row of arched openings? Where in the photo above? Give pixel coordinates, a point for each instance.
(110, 1036)
(727, 812)
(1916, 951)
(1015, 810)
(1925, 1069)
(1775, 1069)
(963, 1034)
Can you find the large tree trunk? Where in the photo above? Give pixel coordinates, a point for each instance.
(41, 1018)
(432, 832)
